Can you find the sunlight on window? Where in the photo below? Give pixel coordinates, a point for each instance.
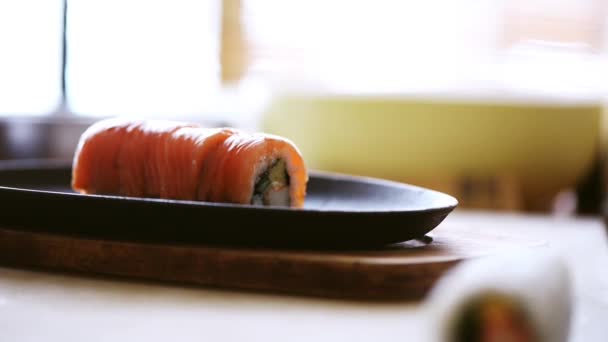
(462, 49)
(142, 58)
(375, 44)
(30, 62)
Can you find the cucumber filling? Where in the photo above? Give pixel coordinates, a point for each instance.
(272, 186)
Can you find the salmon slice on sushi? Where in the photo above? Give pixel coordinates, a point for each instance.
(174, 160)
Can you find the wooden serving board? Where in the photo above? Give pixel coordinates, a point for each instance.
(405, 271)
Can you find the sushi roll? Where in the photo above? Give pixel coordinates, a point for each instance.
(182, 161)
(510, 298)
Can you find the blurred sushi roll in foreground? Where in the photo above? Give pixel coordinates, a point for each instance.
(507, 298)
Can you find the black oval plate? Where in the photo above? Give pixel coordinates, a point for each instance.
(340, 212)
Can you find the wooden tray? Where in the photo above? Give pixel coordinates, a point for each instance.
(404, 271)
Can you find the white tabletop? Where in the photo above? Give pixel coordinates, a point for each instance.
(39, 306)
(36, 306)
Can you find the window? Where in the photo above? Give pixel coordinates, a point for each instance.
(465, 47)
(368, 45)
(154, 58)
(30, 56)
(197, 58)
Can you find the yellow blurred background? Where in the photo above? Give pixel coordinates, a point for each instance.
(492, 155)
